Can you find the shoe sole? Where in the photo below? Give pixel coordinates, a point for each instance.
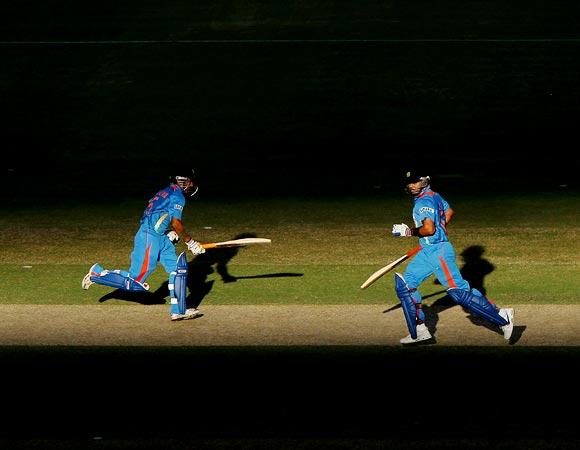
(86, 283)
(178, 319)
(423, 339)
(510, 317)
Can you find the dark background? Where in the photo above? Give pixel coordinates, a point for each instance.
(322, 97)
(100, 100)
(300, 397)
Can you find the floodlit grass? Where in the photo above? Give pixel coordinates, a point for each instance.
(321, 251)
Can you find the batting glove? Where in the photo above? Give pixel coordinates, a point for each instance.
(195, 247)
(173, 237)
(400, 230)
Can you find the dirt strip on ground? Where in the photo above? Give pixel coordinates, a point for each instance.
(293, 325)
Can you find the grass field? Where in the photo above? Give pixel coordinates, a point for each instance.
(321, 251)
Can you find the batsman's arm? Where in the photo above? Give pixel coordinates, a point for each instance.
(427, 228)
(192, 245)
(179, 228)
(448, 215)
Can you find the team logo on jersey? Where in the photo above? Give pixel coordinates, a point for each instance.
(178, 207)
(427, 209)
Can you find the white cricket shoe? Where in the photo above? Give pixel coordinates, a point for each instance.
(422, 335)
(190, 313)
(95, 270)
(507, 314)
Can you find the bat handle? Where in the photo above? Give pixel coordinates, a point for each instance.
(413, 251)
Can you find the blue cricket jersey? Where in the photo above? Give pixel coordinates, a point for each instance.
(430, 205)
(164, 206)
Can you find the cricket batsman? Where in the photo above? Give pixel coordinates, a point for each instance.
(160, 230)
(432, 214)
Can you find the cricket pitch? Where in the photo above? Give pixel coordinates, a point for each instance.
(259, 325)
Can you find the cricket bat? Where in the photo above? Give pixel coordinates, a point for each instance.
(237, 243)
(383, 270)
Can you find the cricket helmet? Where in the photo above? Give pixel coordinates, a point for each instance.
(413, 176)
(185, 179)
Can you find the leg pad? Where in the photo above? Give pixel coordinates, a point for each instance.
(181, 283)
(411, 308)
(116, 280)
(478, 305)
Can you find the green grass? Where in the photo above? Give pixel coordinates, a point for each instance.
(321, 251)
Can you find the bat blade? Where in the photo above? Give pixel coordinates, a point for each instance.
(237, 243)
(383, 270)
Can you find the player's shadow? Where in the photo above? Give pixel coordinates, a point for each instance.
(199, 270)
(143, 298)
(215, 261)
(474, 270)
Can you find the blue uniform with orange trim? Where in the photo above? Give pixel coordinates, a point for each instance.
(151, 244)
(437, 255)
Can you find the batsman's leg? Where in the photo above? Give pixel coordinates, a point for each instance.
(178, 291)
(145, 254)
(406, 286)
(143, 262)
(478, 305)
(459, 290)
(119, 279)
(412, 311)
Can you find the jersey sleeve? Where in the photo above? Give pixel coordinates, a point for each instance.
(176, 206)
(424, 209)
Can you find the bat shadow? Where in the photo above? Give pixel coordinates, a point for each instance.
(215, 260)
(397, 306)
(270, 275)
(392, 308)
